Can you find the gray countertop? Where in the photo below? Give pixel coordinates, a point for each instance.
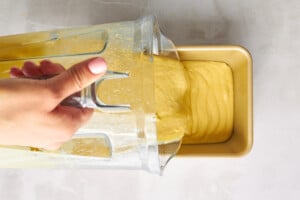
(269, 29)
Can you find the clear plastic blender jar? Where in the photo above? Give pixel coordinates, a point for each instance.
(120, 134)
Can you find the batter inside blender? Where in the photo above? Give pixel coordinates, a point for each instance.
(193, 99)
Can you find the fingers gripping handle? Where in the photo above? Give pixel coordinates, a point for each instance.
(88, 97)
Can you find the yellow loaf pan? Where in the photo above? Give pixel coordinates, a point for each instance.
(240, 62)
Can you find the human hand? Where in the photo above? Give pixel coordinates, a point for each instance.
(30, 109)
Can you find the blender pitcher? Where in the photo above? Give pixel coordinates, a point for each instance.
(122, 130)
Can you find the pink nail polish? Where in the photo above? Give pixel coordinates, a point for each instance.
(97, 66)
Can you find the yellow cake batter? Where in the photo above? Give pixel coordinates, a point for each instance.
(193, 99)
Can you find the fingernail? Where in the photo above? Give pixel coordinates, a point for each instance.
(97, 66)
(14, 70)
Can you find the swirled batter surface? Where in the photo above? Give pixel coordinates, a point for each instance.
(194, 101)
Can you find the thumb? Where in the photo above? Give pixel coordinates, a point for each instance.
(78, 77)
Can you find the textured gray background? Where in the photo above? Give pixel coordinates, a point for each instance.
(269, 29)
